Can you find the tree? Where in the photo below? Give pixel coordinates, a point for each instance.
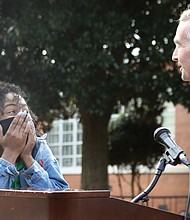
(88, 55)
(131, 145)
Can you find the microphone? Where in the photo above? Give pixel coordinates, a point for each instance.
(176, 155)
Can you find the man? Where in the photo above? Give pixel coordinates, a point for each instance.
(181, 54)
(26, 160)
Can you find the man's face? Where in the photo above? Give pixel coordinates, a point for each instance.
(181, 54)
(12, 105)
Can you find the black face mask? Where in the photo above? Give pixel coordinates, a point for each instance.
(5, 124)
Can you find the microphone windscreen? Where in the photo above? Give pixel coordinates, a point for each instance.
(160, 131)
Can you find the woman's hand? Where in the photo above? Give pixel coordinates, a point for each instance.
(14, 141)
(26, 154)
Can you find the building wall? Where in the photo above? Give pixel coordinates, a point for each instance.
(182, 130)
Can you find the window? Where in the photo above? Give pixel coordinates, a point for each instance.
(169, 117)
(65, 141)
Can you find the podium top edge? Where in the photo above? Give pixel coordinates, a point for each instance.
(49, 193)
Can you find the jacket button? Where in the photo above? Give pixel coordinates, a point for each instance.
(29, 176)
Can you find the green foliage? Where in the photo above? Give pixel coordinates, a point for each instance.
(131, 142)
(85, 44)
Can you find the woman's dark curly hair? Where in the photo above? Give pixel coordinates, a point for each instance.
(6, 88)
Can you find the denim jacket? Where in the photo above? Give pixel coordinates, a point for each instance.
(44, 174)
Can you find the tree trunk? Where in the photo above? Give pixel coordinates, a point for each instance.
(133, 177)
(94, 151)
(120, 185)
(132, 184)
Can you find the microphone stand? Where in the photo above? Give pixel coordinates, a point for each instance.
(165, 159)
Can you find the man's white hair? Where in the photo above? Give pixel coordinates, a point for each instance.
(184, 17)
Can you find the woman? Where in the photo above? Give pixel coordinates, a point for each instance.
(26, 160)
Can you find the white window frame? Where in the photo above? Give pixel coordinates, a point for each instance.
(74, 143)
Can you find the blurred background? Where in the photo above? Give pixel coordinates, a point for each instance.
(100, 79)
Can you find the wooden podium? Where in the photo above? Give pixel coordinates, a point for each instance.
(74, 205)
